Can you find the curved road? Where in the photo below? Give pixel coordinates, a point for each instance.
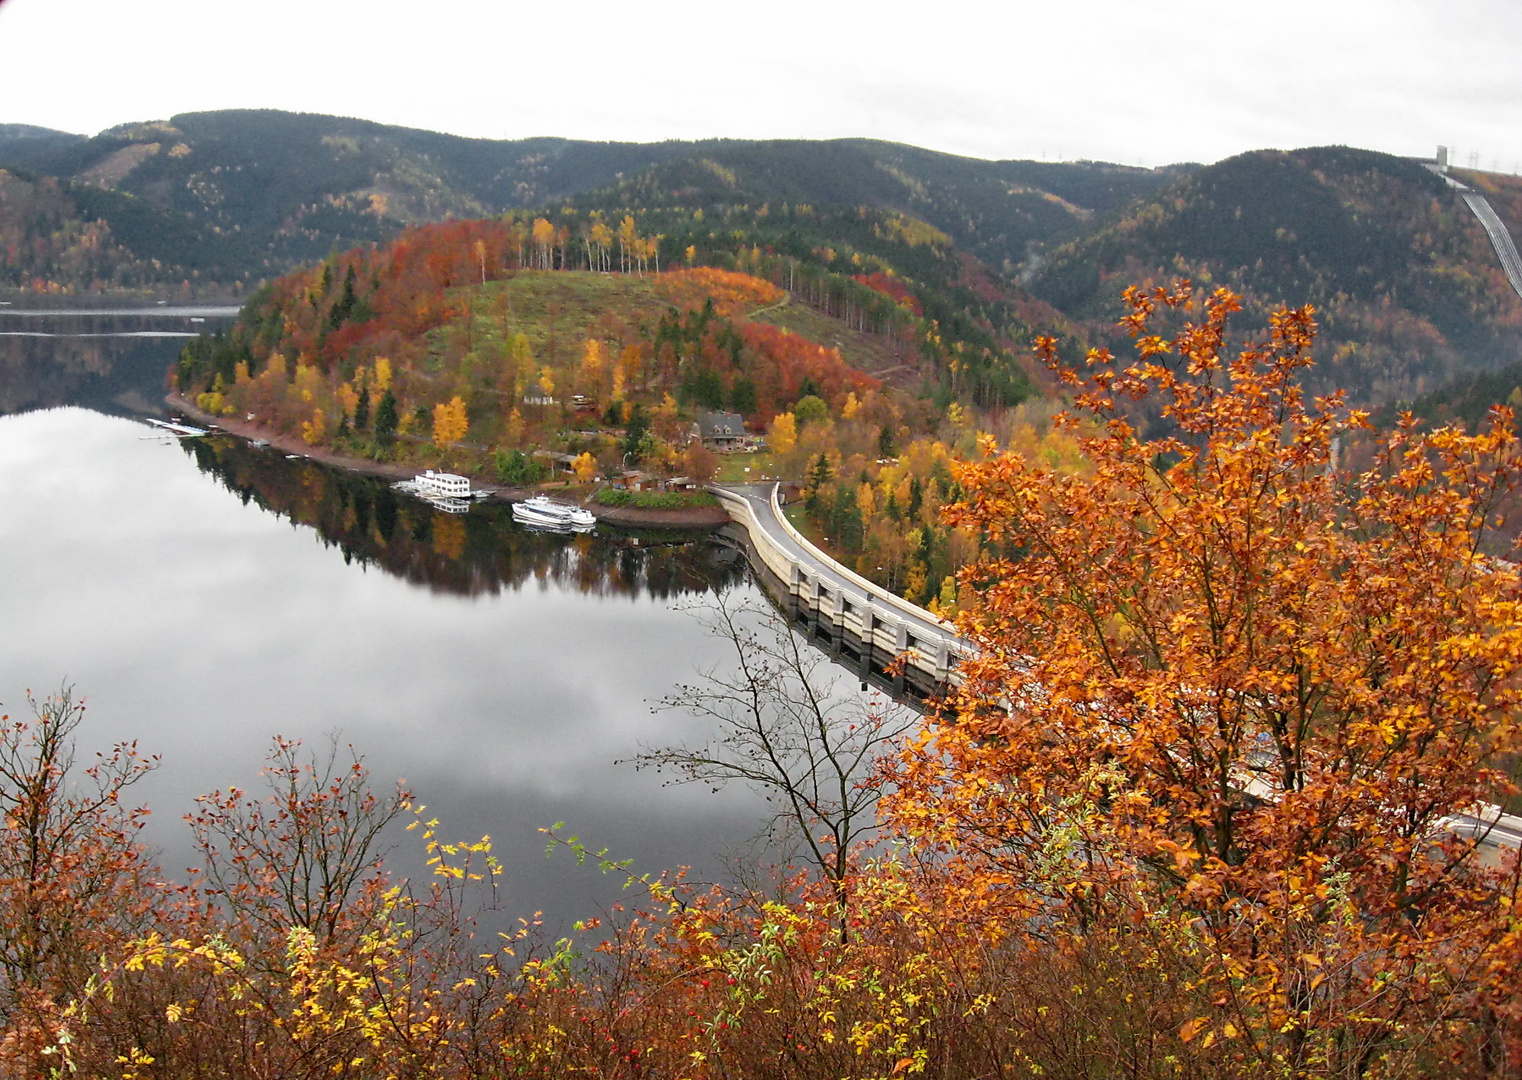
(1499, 830)
(818, 566)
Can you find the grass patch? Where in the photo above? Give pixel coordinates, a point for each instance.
(732, 468)
(559, 310)
(795, 514)
(798, 516)
(655, 500)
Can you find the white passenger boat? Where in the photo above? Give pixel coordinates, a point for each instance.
(441, 485)
(184, 431)
(544, 513)
(445, 491)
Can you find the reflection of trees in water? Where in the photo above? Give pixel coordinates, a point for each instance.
(483, 551)
(110, 374)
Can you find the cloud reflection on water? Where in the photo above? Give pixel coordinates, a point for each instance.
(201, 625)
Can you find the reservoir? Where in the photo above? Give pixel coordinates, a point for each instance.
(205, 596)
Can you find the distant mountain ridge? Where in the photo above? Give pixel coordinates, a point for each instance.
(21, 141)
(1409, 292)
(1000, 211)
(292, 187)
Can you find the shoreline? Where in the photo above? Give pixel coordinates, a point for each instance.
(147, 300)
(704, 518)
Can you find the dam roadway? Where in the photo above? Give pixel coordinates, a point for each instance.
(864, 620)
(873, 628)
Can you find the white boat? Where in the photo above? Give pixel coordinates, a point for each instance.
(442, 485)
(447, 491)
(185, 431)
(543, 512)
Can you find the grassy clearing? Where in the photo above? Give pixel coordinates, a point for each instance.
(655, 500)
(795, 514)
(559, 311)
(732, 468)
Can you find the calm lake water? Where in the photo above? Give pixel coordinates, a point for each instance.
(205, 596)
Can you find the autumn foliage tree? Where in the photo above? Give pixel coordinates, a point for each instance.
(450, 423)
(74, 879)
(291, 953)
(1210, 799)
(1224, 686)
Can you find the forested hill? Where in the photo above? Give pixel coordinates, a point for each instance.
(285, 189)
(1004, 212)
(19, 142)
(62, 237)
(1409, 291)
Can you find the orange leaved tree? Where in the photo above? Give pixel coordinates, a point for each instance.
(74, 879)
(1226, 686)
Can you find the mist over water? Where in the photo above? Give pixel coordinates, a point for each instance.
(205, 596)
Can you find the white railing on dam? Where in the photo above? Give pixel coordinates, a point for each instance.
(877, 619)
(892, 627)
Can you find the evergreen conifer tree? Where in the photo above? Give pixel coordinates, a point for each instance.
(819, 475)
(385, 416)
(362, 409)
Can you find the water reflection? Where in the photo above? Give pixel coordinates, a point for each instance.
(474, 554)
(200, 623)
(111, 361)
(179, 587)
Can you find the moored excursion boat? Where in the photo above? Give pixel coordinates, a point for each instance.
(445, 491)
(442, 485)
(547, 514)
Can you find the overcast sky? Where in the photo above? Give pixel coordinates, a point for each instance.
(1130, 82)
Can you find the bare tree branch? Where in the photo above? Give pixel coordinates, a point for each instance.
(789, 728)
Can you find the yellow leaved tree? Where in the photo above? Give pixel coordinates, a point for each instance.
(315, 430)
(782, 438)
(593, 363)
(1229, 697)
(449, 422)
